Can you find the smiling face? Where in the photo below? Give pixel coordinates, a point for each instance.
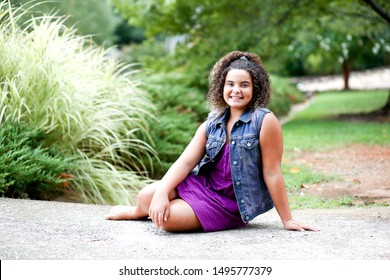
(238, 89)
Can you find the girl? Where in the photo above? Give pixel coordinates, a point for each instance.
(230, 171)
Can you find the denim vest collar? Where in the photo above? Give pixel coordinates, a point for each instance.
(245, 117)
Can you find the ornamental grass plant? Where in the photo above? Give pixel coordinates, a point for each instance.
(84, 101)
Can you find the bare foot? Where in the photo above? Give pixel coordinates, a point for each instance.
(121, 212)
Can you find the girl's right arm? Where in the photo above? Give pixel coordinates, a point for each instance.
(191, 156)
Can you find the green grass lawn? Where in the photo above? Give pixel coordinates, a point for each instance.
(317, 128)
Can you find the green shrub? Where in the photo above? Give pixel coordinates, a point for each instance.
(26, 168)
(181, 109)
(284, 95)
(85, 101)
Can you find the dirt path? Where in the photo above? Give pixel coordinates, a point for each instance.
(362, 172)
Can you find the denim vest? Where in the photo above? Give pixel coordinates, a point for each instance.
(249, 186)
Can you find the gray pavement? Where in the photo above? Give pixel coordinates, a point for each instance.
(44, 230)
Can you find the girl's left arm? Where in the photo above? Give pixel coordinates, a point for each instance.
(271, 143)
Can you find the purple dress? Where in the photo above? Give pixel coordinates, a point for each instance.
(212, 196)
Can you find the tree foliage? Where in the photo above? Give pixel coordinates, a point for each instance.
(94, 18)
(282, 32)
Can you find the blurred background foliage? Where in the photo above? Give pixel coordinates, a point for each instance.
(172, 45)
(94, 18)
(292, 37)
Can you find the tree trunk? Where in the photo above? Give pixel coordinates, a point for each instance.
(346, 71)
(385, 110)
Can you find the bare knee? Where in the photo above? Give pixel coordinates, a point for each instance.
(182, 218)
(146, 194)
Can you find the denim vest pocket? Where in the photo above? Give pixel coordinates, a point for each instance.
(249, 149)
(213, 146)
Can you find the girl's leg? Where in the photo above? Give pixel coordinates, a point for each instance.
(181, 218)
(141, 210)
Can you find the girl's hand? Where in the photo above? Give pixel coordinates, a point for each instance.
(294, 225)
(159, 209)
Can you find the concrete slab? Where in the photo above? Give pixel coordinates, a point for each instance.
(46, 230)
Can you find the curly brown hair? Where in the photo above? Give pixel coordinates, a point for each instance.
(239, 60)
